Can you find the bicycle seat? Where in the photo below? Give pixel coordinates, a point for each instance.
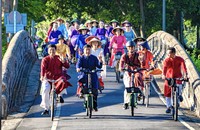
(130, 89)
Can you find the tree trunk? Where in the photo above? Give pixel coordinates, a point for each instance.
(142, 33)
(198, 37)
(7, 6)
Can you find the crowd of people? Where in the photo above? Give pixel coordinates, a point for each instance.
(87, 45)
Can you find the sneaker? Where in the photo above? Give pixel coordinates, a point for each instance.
(139, 97)
(85, 105)
(180, 98)
(100, 89)
(45, 112)
(96, 109)
(168, 110)
(125, 106)
(61, 99)
(81, 95)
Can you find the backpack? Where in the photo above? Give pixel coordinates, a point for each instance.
(128, 62)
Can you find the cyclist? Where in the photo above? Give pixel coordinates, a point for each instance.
(62, 50)
(68, 30)
(94, 27)
(91, 62)
(96, 50)
(89, 26)
(146, 57)
(54, 33)
(130, 61)
(51, 68)
(102, 34)
(114, 23)
(173, 66)
(80, 42)
(117, 43)
(61, 26)
(128, 32)
(74, 36)
(139, 40)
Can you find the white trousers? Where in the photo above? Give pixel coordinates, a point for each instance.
(127, 83)
(45, 90)
(169, 100)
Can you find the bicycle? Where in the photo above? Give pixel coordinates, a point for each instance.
(53, 96)
(88, 92)
(133, 91)
(117, 57)
(172, 82)
(147, 88)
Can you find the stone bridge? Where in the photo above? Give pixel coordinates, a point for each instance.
(17, 66)
(20, 70)
(159, 42)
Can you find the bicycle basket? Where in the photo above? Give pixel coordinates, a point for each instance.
(148, 78)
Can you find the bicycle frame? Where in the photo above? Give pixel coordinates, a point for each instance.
(53, 96)
(116, 63)
(147, 82)
(88, 97)
(133, 95)
(175, 92)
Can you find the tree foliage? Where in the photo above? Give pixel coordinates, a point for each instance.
(115, 9)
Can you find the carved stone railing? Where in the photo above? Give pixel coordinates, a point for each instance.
(16, 67)
(159, 42)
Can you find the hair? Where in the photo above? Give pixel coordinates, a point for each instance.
(101, 21)
(86, 46)
(172, 49)
(51, 46)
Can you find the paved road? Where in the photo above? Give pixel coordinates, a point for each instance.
(72, 116)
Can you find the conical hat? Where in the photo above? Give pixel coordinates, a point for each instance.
(145, 45)
(126, 22)
(135, 40)
(74, 20)
(94, 40)
(118, 27)
(60, 19)
(83, 28)
(94, 21)
(90, 37)
(114, 21)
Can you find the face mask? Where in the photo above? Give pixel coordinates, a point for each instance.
(139, 42)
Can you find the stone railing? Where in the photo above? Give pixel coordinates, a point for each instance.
(159, 42)
(16, 67)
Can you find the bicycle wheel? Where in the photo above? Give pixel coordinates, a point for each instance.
(118, 76)
(176, 106)
(90, 106)
(117, 72)
(86, 107)
(147, 94)
(52, 104)
(132, 103)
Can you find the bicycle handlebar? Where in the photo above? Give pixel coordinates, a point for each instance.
(137, 70)
(53, 80)
(181, 79)
(89, 71)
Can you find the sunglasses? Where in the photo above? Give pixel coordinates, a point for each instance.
(127, 26)
(140, 40)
